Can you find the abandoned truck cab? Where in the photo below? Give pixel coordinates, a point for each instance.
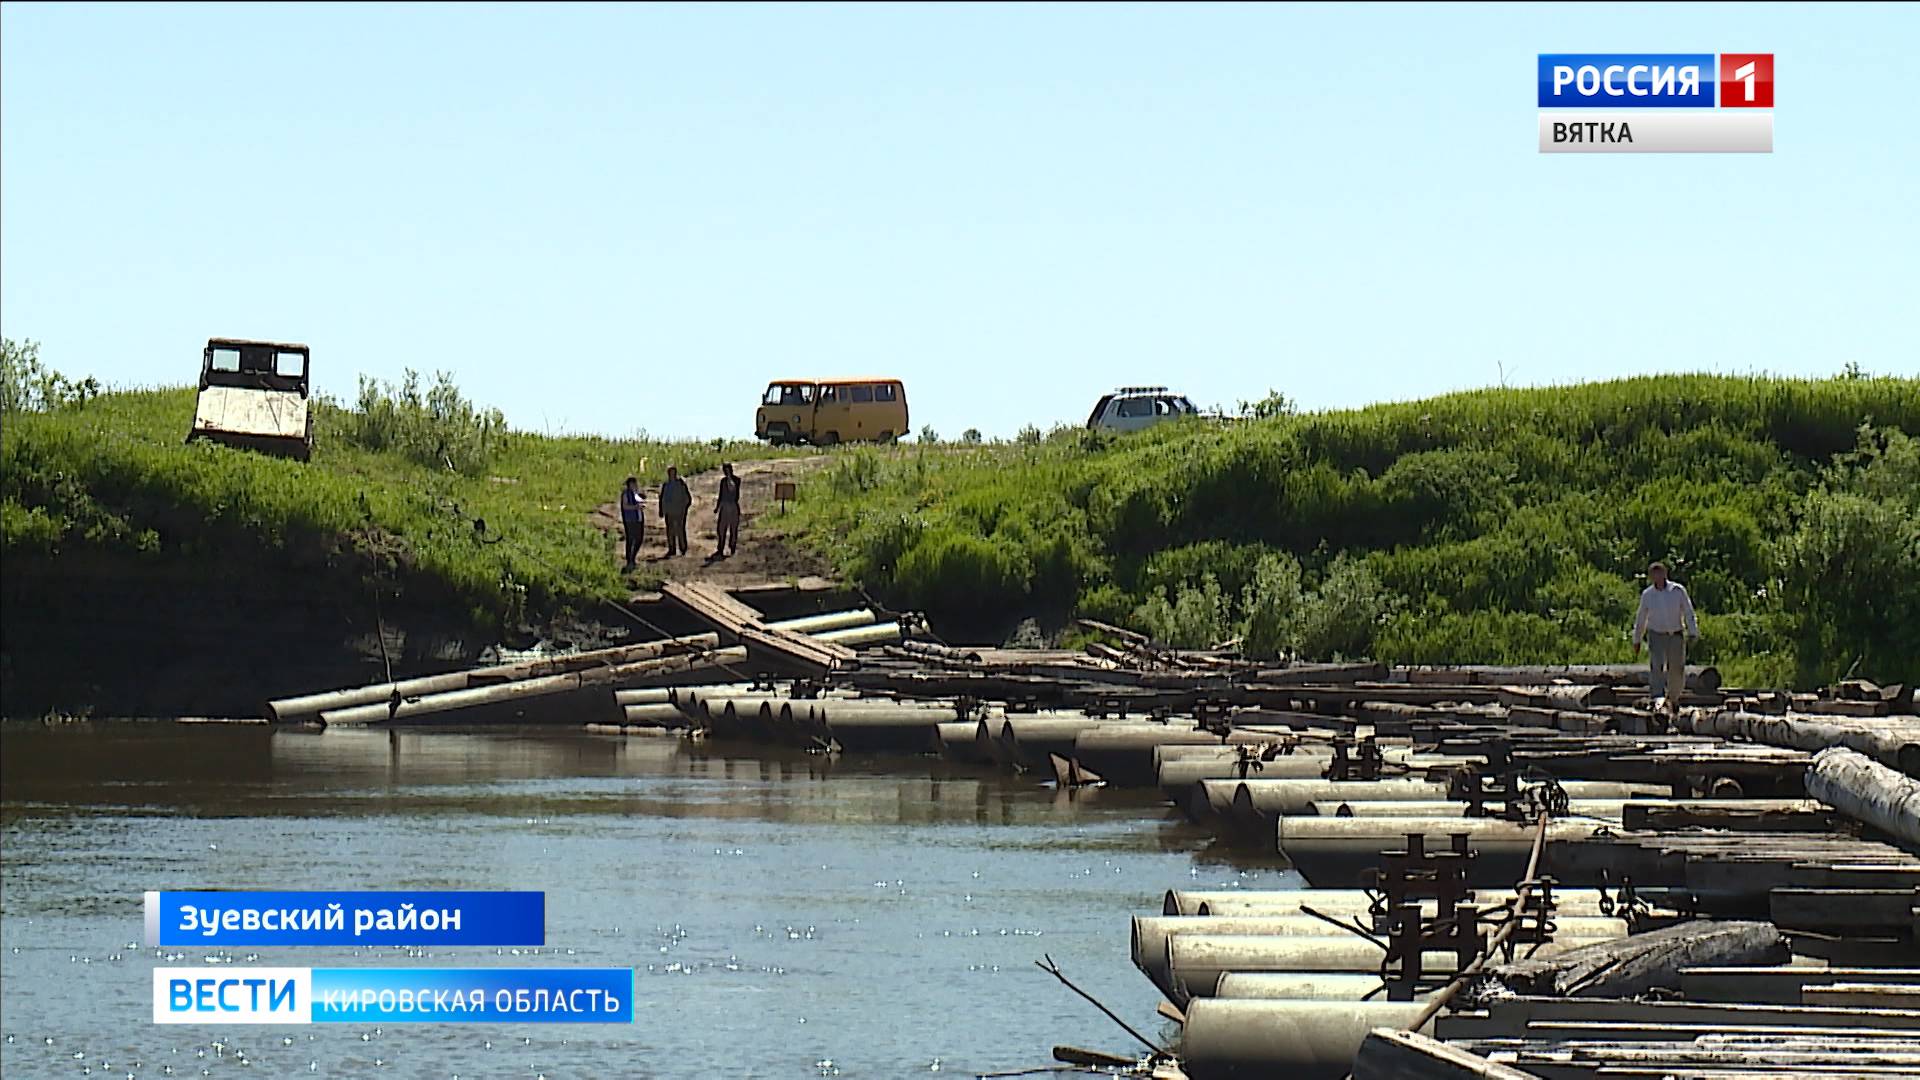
(254, 395)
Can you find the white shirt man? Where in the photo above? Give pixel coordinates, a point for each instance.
(1666, 621)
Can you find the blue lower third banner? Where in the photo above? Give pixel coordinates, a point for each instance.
(393, 995)
(251, 919)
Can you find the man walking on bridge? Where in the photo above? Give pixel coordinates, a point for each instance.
(1666, 620)
(675, 502)
(728, 528)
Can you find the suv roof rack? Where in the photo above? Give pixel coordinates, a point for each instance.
(1141, 390)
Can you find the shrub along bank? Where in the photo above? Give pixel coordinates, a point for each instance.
(1498, 526)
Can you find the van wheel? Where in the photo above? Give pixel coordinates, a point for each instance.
(829, 438)
(885, 438)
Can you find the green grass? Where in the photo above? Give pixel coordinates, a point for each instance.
(111, 477)
(1491, 526)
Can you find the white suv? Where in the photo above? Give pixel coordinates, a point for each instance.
(1132, 408)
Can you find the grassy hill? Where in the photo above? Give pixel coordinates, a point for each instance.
(1493, 526)
(391, 497)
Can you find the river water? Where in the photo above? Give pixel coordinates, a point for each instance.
(787, 916)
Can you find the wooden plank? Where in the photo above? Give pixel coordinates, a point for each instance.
(1837, 909)
(1387, 1054)
(1780, 985)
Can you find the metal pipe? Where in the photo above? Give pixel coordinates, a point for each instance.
(959, 741)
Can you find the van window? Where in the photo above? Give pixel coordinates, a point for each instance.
(1135, 407)
(862, 395)
(291, 365)
(883, 392)
(829, 395)
(226, 359)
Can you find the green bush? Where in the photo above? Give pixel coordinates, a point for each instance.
(1491, 526)
(437, 428)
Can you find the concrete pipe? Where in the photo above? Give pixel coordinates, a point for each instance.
(1123, 754)
(731, 716)
(659, 715)
(1196, 961)
(833, 620)
(646, 695)
(960, 741)
(1261, 801)
(1150, 933)
(1341, 852)
(872, 727)
(853, 637)
(1301, 1040)
(1444, 810)
(1030, 739)
(1569, 903)
(1298, 986)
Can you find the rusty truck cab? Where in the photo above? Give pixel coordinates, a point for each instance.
(255, 395)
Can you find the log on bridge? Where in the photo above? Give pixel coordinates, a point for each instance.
(736, 622)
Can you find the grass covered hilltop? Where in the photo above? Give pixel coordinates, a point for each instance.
(1498, 526)
(387, 502)
(1495, 526)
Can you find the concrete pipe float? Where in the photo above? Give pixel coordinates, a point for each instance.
(1443, 810)
(832, 620)
(1196, 961)
(1242, 1039)
(659, 715)
(1332, 901)
(748, 718)
(1180, 777)
(853, 637)
(1030, 738)
(498, 700)
(688, 698)
(1569, 903)
(646, 695)
(310, 706)
(960, 741)
(1297, 986)
(1123, 754)
(879, 726)
(1263, 800)
(1340, 852)
(1150, 934)
(716, 712)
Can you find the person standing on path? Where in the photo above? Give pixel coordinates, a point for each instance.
(1666, 620)
(632, 507)
(675, 502)
(729, 511)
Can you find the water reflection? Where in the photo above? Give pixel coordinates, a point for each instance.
(782, 910)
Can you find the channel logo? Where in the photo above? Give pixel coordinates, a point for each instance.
(1660, 103)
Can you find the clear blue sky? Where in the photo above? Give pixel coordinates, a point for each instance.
(615, 218)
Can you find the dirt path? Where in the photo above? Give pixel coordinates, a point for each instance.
(765, 556)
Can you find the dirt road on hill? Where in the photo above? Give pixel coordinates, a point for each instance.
(765, 556)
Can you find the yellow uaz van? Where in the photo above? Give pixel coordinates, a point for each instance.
(828, 411)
